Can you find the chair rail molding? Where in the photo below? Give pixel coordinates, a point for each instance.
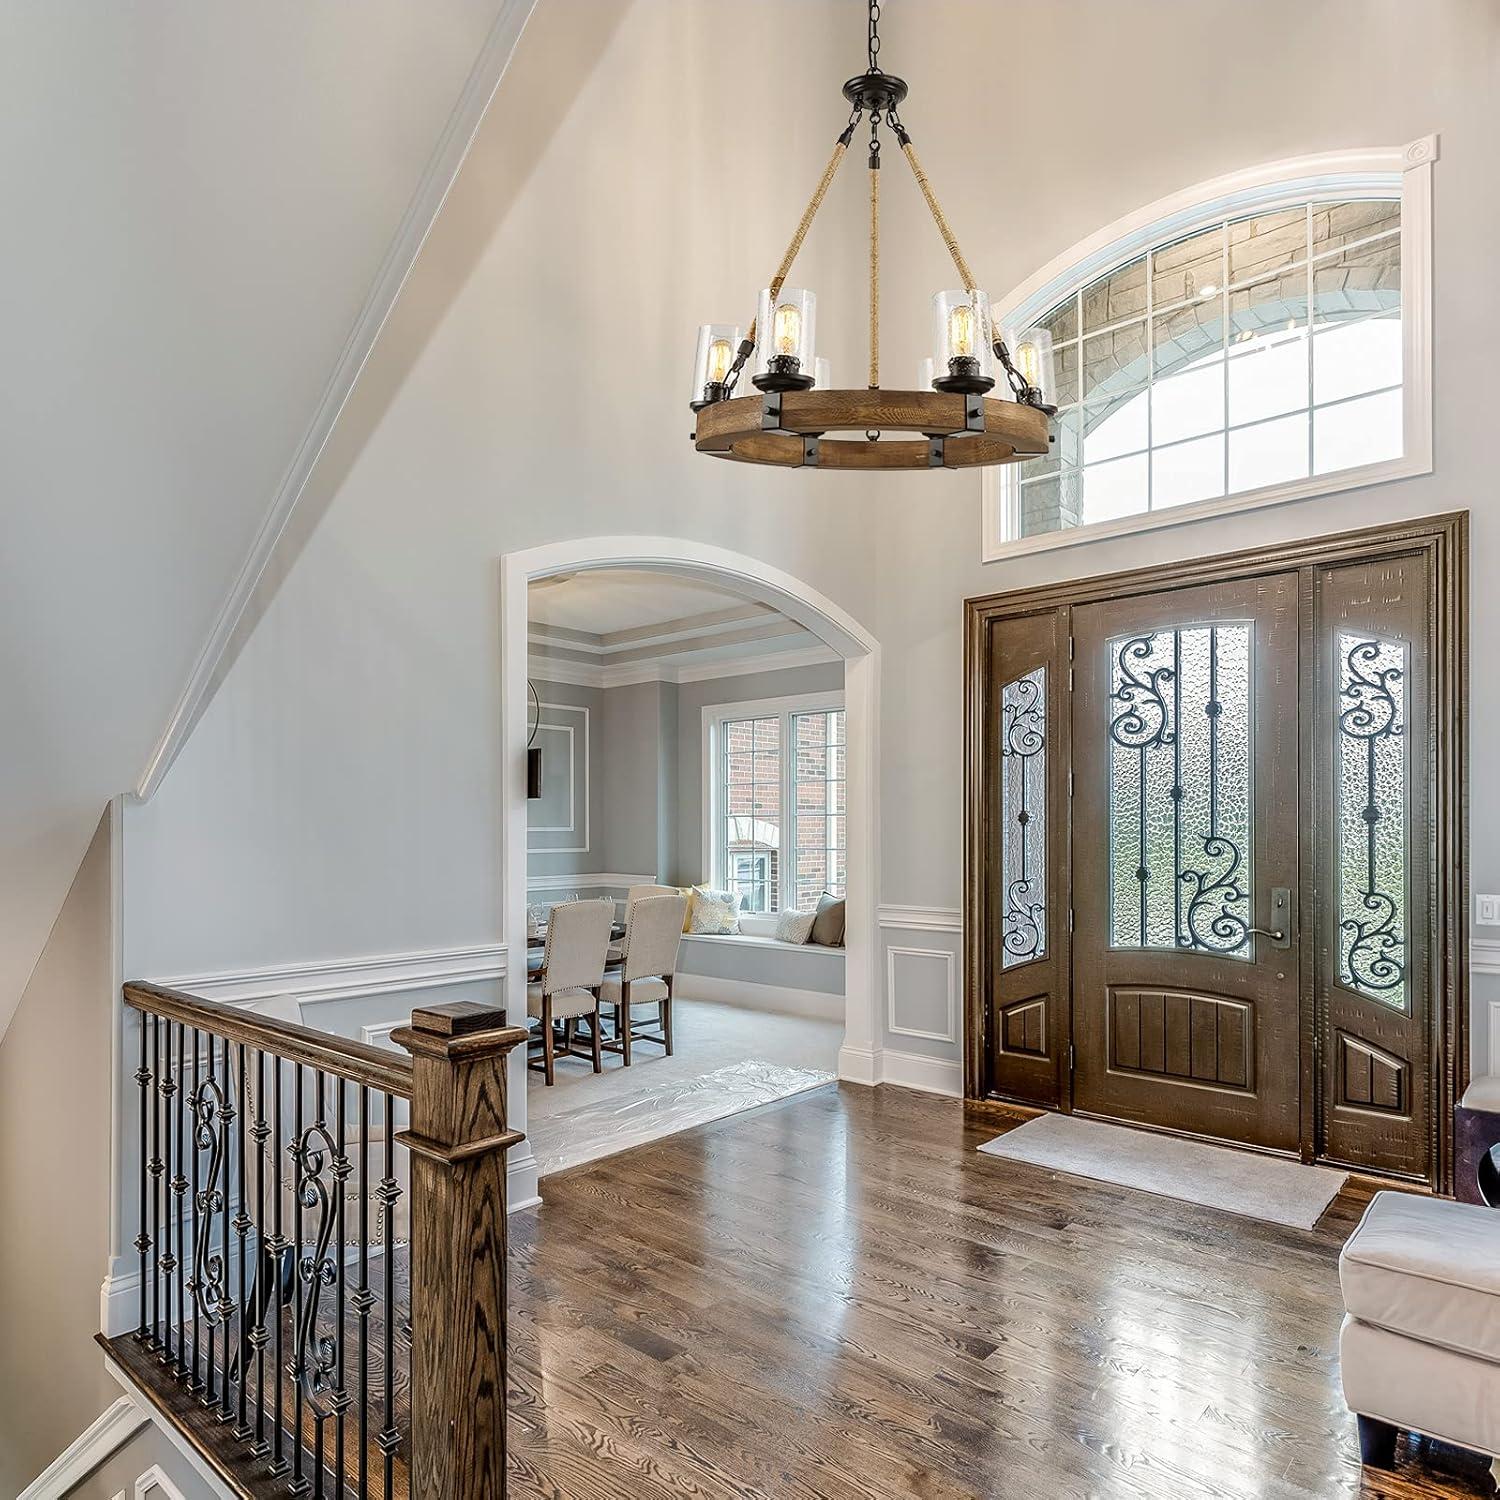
(319, 980)
(593, 881)
(923, 918)
(99, 1441)
(232, 626)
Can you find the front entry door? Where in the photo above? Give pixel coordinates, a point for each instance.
(1186, 825)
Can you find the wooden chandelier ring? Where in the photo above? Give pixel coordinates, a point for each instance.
(735, 430)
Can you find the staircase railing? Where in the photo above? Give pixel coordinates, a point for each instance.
(322, 1247)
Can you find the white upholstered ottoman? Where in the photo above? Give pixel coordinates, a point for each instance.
(1420, 1347)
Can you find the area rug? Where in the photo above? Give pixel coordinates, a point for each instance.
(1243, 1182)
(590, 1131)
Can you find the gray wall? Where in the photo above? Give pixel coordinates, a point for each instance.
(339, 796)
(54, 1183)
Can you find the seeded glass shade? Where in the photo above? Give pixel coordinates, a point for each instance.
(717, 343)
(962, 332)
(784, 330)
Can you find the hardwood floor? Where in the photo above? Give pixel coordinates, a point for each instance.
(836, 1296)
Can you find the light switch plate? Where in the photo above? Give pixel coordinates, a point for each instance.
(1487, 911)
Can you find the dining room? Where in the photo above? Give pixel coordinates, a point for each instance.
(686, 857)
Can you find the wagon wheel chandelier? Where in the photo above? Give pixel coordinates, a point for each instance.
(956, 423)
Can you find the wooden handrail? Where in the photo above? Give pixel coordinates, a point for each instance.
(357, 1061)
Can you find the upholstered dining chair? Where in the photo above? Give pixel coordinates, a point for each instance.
(648, 964)
(633, 894)
(566, 987)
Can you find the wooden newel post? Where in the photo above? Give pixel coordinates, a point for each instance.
(458, 1139)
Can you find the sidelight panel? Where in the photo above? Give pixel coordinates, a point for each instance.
(1023, 791)
(1371, 775)
(1179, 789)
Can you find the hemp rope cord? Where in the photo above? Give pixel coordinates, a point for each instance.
(808, 214)
(874, 278)
(965, 275)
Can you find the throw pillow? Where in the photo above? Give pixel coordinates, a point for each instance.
(795, 926)
(828, 922)
(714, 911)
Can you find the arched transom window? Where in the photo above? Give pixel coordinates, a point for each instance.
(1244, 356)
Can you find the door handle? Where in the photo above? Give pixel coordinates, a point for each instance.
(1280, 932)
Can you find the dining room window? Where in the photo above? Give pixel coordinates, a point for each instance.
(775, 801)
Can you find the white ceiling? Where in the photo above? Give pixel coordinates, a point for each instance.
(610, 599)
(202, 204)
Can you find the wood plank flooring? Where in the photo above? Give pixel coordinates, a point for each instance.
(836, 1296)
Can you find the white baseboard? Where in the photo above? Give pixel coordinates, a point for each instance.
(775, 998)
(521, 1178)
(859, 1065)
(156, 1482)
(99, 1441)
(933, 1075)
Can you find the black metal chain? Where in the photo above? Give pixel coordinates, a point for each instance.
(874, 37)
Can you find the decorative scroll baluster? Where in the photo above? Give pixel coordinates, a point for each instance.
(341, 1394)
(267, 1297)
(225, 1306)
(299, 1483)
(194, 1383)
(242, 1227)
(212, 1114)
(142, 1241)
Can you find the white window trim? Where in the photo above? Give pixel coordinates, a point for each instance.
(715, 716)
(1404, 171)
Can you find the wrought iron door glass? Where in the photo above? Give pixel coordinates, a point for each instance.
(1023, 790)
(1179, 797)
(1372, 819)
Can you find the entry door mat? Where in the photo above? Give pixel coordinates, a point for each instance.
(616, 1124)
(1241, 1182)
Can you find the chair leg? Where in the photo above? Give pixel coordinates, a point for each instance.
(622, 1018)
(595, 1021)
(1377, 1443)
(547, 1042)
(666, 1015)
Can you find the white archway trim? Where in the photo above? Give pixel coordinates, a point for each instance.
(859, 1057)
(1402, 171)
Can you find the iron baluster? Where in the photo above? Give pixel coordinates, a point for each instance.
(341, 1395)
(390, 1191)
(278, 1242)
(179, 1197)
(242, 1226)
(194, 1383)
(364, 1299)
(167, 1264)
(142, 1240)
(268, 1296)
(156, 1185)
(225, 1305)
(299, 1483)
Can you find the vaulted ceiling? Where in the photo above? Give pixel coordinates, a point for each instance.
(209, 209)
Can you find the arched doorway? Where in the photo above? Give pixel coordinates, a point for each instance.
(755, 580)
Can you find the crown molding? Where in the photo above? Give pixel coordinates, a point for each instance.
(579, 674)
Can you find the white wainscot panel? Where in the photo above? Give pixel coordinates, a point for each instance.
(921, 986)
